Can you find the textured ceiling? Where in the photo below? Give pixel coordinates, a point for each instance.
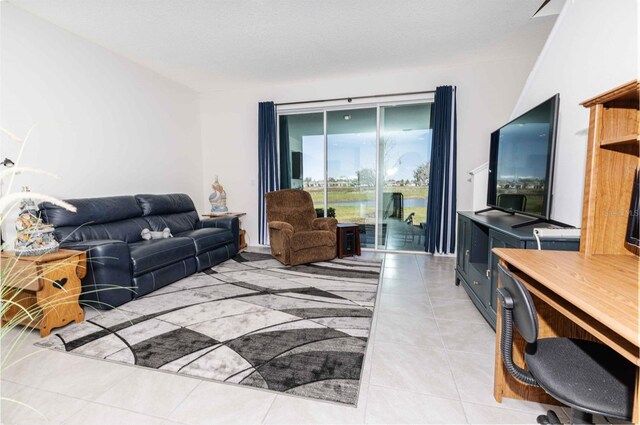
(194, 41)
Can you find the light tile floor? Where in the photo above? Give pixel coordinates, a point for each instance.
(429, 360)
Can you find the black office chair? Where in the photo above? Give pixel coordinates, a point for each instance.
(512, 201)
(587, 376)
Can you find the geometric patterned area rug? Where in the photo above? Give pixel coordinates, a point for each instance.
(252, 321)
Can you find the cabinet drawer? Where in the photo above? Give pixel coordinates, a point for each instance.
(480, 285)
(561, 245)
(507, 241)
(23, 275)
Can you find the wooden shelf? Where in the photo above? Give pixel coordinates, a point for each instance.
(612, 160)
(627, 139)
(627, 92)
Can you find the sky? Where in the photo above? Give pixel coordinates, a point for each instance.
(348, 153)
(523, 151)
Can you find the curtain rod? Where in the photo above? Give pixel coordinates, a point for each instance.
(349, 99)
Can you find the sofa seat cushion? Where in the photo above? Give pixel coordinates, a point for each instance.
(208, 239)
(151, 255)
(312, 239)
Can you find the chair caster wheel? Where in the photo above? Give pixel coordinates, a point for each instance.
(550, 418)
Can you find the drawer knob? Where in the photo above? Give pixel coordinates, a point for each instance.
(475, 282)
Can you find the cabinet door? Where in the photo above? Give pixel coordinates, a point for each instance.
(497, 240)
(464, 242)
(480, 285)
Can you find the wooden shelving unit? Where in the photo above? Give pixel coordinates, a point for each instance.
(621, 140)
(612, 159)
(591, 294)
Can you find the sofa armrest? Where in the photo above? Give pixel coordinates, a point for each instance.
(280, 225)
(107, 283)
(231, 223)
(280, 234)
(325, 223)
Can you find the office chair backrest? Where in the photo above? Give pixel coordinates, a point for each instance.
(512, 201)
(524, 311)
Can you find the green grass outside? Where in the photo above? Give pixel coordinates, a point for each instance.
(353, 214)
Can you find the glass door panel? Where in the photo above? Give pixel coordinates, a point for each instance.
(351, 169)
(302, 154)
(404, 155)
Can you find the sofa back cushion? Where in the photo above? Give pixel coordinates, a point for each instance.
(124, 230)
(175, 211)
(165, 204)
(113, 217)
(91, 210)
(292, 206)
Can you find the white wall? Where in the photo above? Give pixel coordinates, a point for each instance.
(487, 90)
(592, 48)
(105, 125)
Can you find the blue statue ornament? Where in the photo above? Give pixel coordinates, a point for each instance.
(218, 198)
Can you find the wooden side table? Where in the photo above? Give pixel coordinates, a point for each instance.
(47, 286)
(348, 236)
(242, 243)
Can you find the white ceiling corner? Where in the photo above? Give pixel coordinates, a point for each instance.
(205, 44)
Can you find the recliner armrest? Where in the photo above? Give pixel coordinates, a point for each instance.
(218, 222)
(325, 223)
(107, 283)
(231, 223)
(280, 225)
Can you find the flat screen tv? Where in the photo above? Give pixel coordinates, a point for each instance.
(521, 162)
(633, 224)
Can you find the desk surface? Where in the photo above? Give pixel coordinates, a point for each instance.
(61, 254)
(605, 287)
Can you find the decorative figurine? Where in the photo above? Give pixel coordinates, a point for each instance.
(218, 198)
(33, 236)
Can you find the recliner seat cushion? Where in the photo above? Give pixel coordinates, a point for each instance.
(208, 239)
(151, 255)
(312, 239)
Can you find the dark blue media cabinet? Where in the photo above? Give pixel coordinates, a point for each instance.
(476, 265)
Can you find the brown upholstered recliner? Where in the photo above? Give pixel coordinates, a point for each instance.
(296, 235)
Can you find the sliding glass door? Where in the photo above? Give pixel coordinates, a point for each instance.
(404, 155)
(365, 165)
(351, 169)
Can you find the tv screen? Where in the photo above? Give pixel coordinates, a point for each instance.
(521, 162)
(296, 165)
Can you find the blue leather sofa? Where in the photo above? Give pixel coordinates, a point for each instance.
(121, 265)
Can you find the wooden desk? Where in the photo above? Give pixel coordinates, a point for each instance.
(589, 297)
